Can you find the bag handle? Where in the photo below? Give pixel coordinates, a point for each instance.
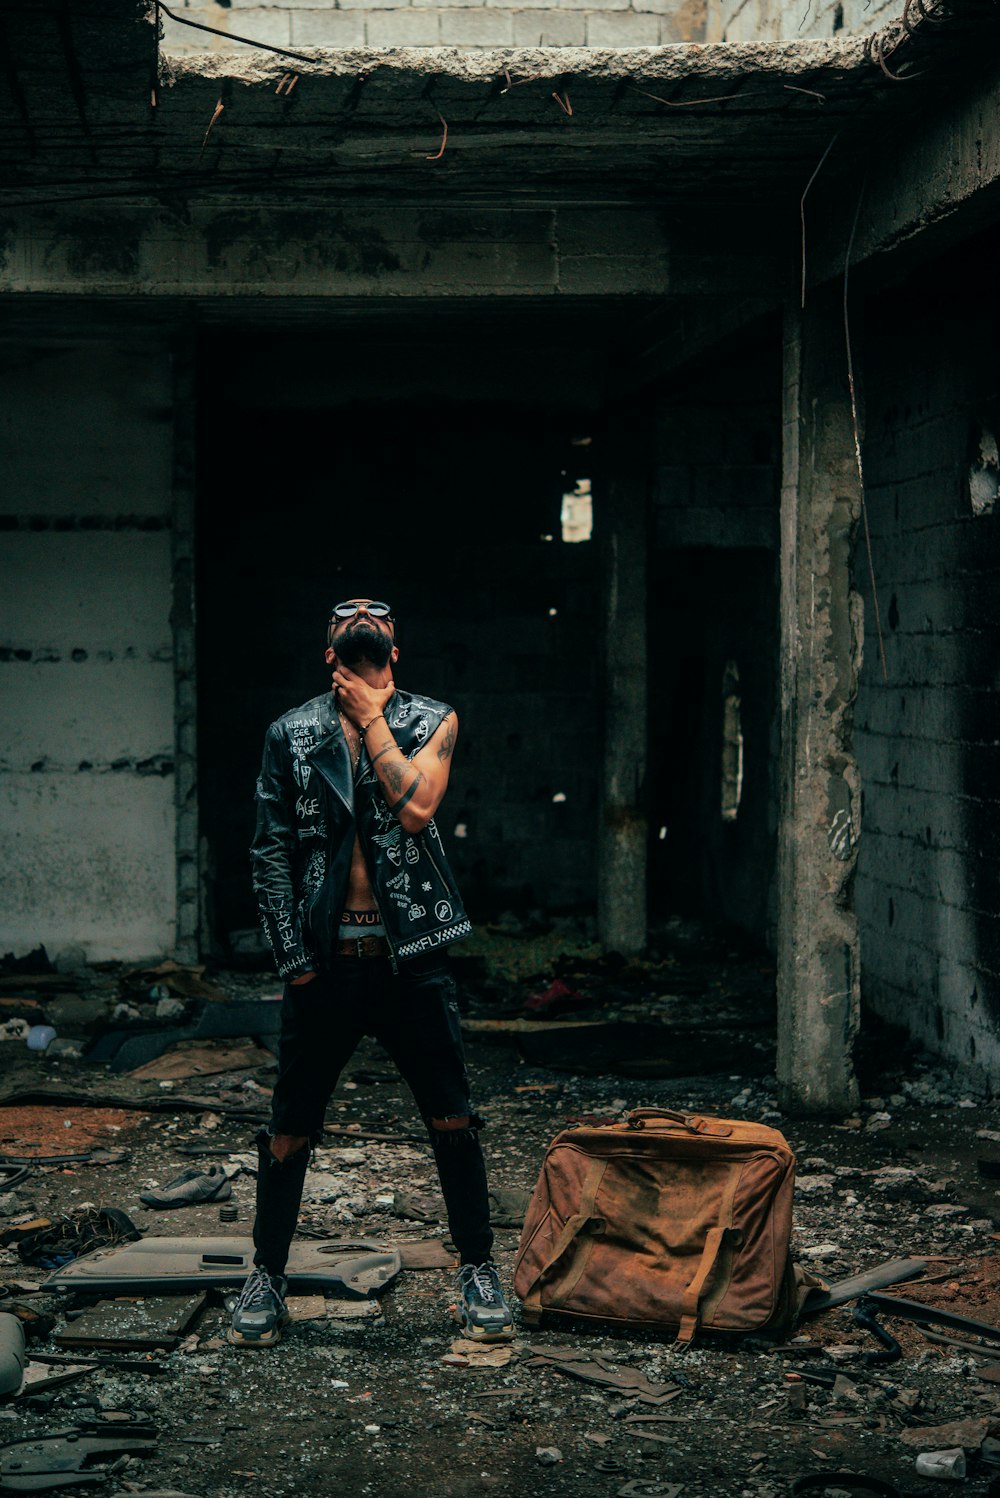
(722, 1237)
(694, 1123)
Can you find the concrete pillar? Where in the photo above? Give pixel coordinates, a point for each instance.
(821, 634)
(621, 525)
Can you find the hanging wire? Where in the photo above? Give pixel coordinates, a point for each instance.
(230, 36)
(802, 209)
(444, 140)
(857, 437)
(211, 124)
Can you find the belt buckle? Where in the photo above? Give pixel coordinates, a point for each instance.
(366, 946)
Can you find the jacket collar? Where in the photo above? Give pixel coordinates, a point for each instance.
(331, 756)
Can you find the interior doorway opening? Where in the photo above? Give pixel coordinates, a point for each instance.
(451, 511)
(713, 737)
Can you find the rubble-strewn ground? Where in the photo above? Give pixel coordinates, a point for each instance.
(368, 1406)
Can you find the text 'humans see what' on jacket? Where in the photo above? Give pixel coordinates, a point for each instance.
(310, 809)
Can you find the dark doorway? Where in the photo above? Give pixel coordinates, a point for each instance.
(713, 736)
(452, 512)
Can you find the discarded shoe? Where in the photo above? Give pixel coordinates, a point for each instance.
(260, 1312)
(208, 1183)
(482, 1309)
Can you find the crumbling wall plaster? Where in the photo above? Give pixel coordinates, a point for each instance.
(794, 20)
(927, 742)
(86, 759)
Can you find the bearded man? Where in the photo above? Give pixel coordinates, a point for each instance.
(359, 906)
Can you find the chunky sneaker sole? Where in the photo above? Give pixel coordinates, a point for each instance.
(481, 1311)
(268, 1338)
(260, 1312)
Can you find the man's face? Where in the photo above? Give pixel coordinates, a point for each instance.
(361, 636)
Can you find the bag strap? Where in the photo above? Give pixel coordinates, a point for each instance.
(531, 1301)
(717, 1237)
(636, 1119)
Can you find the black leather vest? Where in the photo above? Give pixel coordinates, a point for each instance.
(311, 806)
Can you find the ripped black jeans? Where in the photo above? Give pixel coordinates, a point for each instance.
(414, 1015)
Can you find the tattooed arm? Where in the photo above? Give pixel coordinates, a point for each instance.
(413, 788)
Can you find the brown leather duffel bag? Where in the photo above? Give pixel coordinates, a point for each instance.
(662, 1220)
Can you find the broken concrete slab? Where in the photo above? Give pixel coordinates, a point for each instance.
(970, 1434)
(129, 1325)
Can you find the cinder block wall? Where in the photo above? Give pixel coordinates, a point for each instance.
(428, 23)
(929, 858)
(86, 763)
(518, 23)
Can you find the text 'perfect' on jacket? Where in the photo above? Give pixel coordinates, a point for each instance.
(311, 806)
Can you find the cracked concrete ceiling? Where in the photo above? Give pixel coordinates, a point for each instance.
(721, 127)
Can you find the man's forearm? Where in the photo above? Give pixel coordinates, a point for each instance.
(398, 778)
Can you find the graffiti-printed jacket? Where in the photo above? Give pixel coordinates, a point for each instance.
(310, 808)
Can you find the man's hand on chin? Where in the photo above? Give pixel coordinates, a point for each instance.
(357, 698)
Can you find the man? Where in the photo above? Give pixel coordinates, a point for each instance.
(358, 904)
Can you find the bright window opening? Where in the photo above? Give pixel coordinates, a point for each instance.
(732, 743)
(578, 513)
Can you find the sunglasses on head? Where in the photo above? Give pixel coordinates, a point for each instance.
(348, 610)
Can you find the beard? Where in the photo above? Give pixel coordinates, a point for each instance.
(361, 641)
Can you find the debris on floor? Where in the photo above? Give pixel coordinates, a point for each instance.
(371, 1389)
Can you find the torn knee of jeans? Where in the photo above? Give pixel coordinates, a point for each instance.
(455, 1127)
(264, 1140)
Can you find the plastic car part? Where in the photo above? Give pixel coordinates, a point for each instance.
(891, 1273)
(352, 1269)
(71, 1458)
(13, 1358)
(132, 1045)
(79, 1157)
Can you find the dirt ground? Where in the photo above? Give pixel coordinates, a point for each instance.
(369, 1405)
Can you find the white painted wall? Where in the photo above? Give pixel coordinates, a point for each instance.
(87, 824)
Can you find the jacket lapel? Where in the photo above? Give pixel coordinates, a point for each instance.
(332, 758)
